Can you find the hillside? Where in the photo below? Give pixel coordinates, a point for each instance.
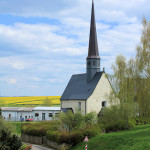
(30, 101)
(137, 138)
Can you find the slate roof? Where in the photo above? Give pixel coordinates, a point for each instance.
(66, 109)
(79, 89)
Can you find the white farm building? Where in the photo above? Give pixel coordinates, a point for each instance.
(26, 113)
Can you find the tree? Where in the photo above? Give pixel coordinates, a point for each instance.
(8, 141)
(132, 79)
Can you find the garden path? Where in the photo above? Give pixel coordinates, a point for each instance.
(37, 147)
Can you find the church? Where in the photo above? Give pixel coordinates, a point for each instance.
(88, 92)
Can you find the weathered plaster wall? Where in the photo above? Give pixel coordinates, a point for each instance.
(103, 88)
(73, 104)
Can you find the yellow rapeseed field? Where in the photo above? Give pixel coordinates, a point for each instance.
(30, 101)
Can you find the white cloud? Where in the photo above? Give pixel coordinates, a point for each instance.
(18, 65)
(11, 81)
(44, 56)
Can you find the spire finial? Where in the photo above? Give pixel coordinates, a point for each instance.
(93, 45)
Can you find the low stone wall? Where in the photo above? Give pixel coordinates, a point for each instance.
(32, 139)
(43, 140)
(58, 146)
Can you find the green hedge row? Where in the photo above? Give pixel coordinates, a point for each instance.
(38, 129)
(75, 136)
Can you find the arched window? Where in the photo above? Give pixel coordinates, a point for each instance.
(104, 104)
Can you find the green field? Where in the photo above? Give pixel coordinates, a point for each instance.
(137, 138)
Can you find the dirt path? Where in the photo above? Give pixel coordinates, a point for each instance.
(37, 147)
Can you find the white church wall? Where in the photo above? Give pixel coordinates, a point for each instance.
(74, 105)
(103, 88)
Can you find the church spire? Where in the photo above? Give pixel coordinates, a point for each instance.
(93, 45)
(93, 59)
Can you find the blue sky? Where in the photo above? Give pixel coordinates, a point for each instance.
(42, 43)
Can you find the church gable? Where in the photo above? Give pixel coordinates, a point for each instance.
(99, 97)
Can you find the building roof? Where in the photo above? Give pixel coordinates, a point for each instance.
(93, 44)
(65, 110)
(79, 89)
(47, 108)
(27, 109)
(16, 108)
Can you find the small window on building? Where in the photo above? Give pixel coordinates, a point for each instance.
(32, 117)
(94, 63)
(29, 116)
(25, 117)
(104, 104)
(50, 114)
(89, 63)
(36, 114)
(79, 106)
(56, 114)
(9, 116)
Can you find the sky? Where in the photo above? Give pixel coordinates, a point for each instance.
(44, 42)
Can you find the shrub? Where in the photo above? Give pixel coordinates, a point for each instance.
(53, 136)
(8, 141)
(39, 129)
(76, 136)
(116, 126)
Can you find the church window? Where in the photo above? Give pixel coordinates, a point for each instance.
(79, 106)
(104, 104)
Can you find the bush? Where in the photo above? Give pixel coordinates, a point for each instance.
(53, 136)
(76, 136)
(8, 141)
(39, 129)
(117, 126)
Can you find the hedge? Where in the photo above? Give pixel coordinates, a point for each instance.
(76, 136)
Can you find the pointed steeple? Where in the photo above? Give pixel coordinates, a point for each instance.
(93, 45)
(93, 59)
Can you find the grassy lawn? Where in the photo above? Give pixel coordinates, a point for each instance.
(137, 138)
(16, 128)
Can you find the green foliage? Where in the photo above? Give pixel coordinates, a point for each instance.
(76, 136)
(131, 80)
(9, 141)
(91, 118)
(39, 129)
(134, 139)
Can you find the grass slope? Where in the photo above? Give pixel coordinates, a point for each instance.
(137, 138)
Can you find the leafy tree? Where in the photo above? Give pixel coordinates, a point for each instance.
(132, 81)
(7, 140)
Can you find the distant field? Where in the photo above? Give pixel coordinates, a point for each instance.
(30, 101)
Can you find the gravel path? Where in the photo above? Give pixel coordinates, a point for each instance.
(37, 147)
